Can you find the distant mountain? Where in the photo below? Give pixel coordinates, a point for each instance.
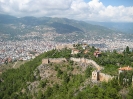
(69, 30)
(126, 27)
(7, 19)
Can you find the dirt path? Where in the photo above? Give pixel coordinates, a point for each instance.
(15, 64)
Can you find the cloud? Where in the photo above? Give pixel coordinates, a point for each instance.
(74, 9)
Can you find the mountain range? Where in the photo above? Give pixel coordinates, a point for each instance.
(66, 30)
(126, 27)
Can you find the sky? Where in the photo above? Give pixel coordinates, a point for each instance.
(85, 10)
(125, 3)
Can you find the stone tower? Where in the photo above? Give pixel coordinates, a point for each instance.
(95, 75)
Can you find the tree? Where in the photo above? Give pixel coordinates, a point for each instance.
(66, 78)
(94, 92)
(130, 94)
(127, 50)
(43, 84)
(112, 93)
(48, 92)
(40, 95)
(88, 72)
(59, 73)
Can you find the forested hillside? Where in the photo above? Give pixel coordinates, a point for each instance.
(69, 80)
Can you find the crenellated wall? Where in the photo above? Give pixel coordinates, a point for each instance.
(105, 77)
(79, 60)
(45, 61)
(86, 61)
(97, 76)
(68, 46)
(53, 60)
(57, 60)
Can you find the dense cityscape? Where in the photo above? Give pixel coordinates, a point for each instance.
(29, 49)
(23, 50)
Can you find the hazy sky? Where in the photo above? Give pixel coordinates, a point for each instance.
(93, 10)
(125, 3)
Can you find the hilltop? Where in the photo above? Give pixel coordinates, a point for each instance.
(55, 74)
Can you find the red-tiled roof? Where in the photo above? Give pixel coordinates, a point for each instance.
(125, 68)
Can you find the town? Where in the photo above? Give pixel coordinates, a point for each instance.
(29, 49)
(23, 50)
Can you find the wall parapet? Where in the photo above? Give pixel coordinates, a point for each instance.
(86, 61)
(53, 60)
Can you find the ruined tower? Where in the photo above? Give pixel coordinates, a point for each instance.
(95, 75)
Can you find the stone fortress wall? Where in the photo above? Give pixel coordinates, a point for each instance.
(53, 60)
(86, 61)
(96, 75)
